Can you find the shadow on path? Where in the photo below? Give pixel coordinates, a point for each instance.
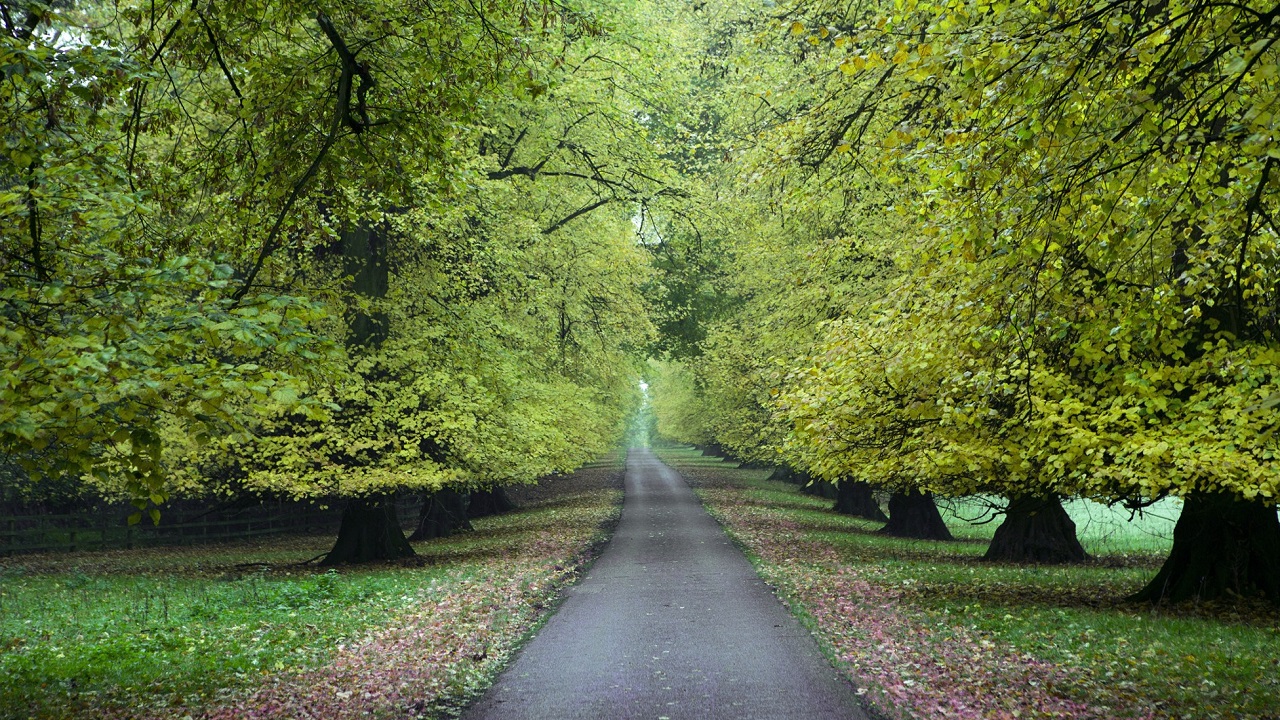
(671, 622)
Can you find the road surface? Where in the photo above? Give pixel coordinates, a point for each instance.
(670, 622)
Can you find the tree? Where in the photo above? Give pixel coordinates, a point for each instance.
(114, 330)
(1100, 191)
(676, 404)
(794, 249)
(370, 528)
(1038, 530)
(264, 249)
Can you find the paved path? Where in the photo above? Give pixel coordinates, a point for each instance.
(671, 622)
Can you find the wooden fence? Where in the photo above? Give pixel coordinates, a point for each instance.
(106, 527)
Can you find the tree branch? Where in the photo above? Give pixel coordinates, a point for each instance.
(577, 214)
(25, 29)
(350, 69)
(217, 55)
(341, 116)
(33, 226)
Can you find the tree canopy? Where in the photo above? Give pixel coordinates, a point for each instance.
(1034, 253)
(1015, 249)
(349, 251)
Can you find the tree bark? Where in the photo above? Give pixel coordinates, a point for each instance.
(914, 514)
(712, 450)
(1222, 547)
(818, 488)
(370, 531)
(782, 473)
(1036, 530)
(854, 497)
(444, 513)
(364, 258)
(493, 501)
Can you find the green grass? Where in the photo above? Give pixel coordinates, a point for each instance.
(614, 459)
(1207, 661)
(182, 626)
(87, 631)
(1102, 529)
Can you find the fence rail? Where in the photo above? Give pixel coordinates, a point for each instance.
(106, 527)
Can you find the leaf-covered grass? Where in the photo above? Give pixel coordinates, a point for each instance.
(238, 630)
(929, 630)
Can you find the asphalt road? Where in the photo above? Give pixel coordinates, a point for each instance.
(671, 622)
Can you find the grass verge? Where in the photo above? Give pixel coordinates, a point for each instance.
(932, 631)
(236, 631)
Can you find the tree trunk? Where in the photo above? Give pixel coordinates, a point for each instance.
(785, 474)
(370, 531)
(444, 512)
(1036, 530)
(712, 450)
(364, 259)
(914, 514)
(1222, 547)
(855, 498)
(493, 501)
(818, 488)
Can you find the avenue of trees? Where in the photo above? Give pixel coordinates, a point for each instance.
(1017, 250)
(274, 248)
(1024, 251)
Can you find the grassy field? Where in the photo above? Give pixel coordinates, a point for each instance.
(242, 630)
(929, 630)
(1103, 530)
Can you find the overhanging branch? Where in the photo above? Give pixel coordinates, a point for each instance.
(341, 116)
(577, 214)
